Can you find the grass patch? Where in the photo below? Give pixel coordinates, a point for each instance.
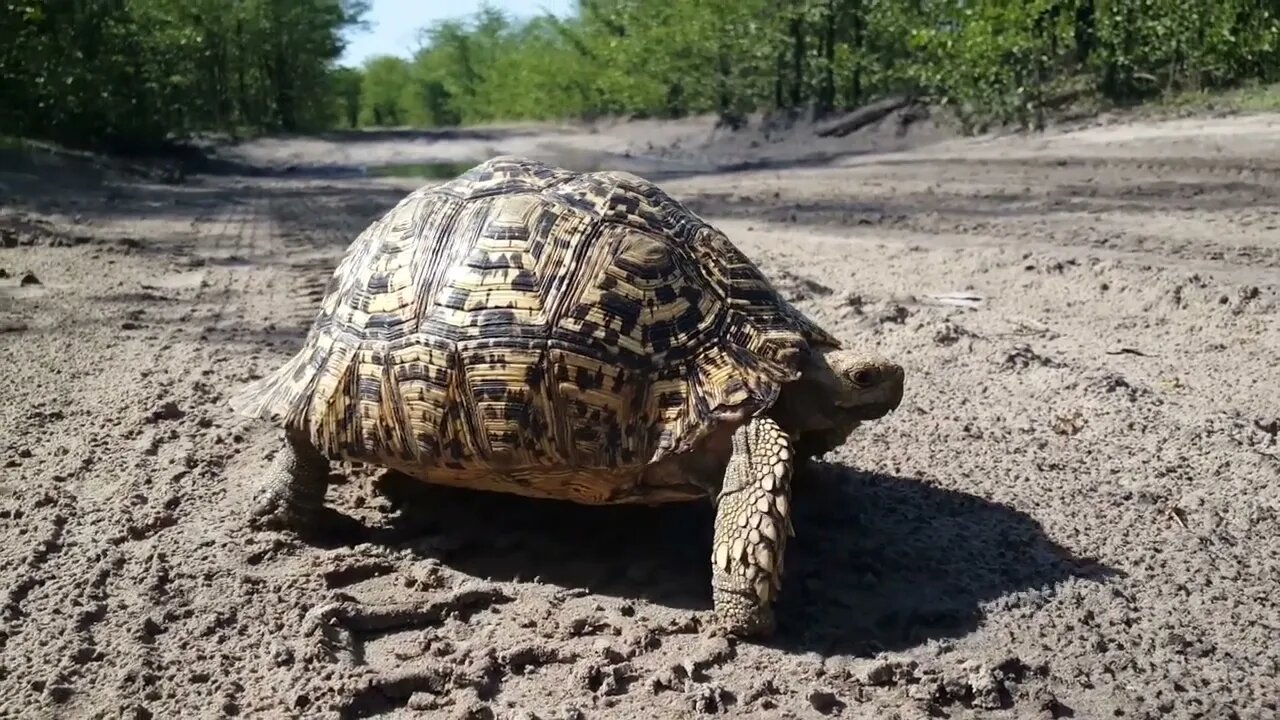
(1250, 98)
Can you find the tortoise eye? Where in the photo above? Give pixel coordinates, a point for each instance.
(862, 377)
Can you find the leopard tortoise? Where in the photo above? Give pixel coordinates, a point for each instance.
(583, 336)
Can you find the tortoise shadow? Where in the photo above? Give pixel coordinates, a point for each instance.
(879, 562)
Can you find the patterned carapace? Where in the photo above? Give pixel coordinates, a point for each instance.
(526, 325)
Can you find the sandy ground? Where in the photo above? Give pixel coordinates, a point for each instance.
(1074, 513)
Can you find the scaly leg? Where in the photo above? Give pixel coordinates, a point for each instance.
(292, 495)
(753, 522)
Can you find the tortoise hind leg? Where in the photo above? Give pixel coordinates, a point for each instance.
(753, 522)
(293, 490)
(292, 495)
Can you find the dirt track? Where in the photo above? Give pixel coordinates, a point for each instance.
(1074, 514)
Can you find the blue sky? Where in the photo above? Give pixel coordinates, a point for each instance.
(394, 24)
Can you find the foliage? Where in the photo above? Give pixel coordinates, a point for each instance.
(131, 73)
(991, 60)
(384, 84)
(348, 84)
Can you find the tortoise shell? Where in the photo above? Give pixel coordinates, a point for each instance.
(528, 329)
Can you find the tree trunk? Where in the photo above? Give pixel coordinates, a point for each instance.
(1084, 30)
(827, 90)
(779, 80)
(797, 60)
(242, 85)
(863, 116)
(858, 30)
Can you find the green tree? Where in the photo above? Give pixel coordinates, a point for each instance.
(132, 74)
(991, 60)
(347, 86)
(386, 78)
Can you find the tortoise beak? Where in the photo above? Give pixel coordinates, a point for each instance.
(874, 411)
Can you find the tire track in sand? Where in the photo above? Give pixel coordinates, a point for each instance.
(130, 486)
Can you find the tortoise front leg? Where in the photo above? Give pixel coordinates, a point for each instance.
(753, 522)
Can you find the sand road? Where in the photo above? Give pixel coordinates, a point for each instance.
(1073, 514)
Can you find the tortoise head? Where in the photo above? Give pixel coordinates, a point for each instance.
(838, 390)
(863, 387)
